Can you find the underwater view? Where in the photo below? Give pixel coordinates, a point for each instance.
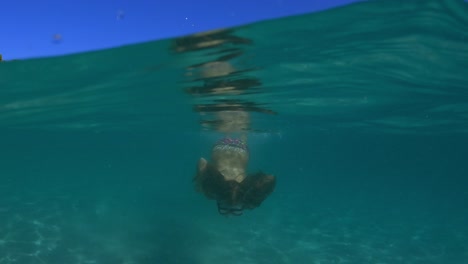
(350, 125)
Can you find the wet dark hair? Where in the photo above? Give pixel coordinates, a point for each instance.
(255, 189)
(214, 186)
(248, 194)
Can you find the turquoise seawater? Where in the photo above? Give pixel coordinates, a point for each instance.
(361, 112)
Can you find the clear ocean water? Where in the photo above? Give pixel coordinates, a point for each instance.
(361, 112)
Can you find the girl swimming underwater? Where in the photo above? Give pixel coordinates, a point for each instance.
(225, 179)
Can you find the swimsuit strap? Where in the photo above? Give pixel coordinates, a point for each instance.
(231, 144)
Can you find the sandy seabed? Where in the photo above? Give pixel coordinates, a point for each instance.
(60, 228)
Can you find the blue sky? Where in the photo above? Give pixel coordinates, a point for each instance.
(28, 28)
